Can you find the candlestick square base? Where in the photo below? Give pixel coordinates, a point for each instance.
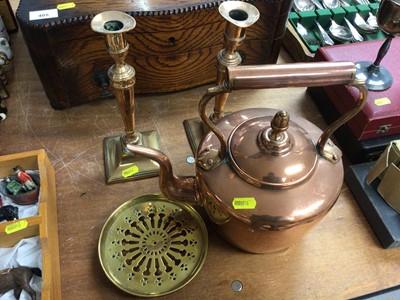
(121, 165)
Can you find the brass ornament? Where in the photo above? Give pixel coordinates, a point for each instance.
(119, 163)
(151, 246)
(239, 16)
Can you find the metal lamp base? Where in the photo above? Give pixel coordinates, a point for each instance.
(121, 165)
(194, 132)
(376, 78)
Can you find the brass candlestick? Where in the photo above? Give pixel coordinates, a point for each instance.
(121, 164)
(239, 15)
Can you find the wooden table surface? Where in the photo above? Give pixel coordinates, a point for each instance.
(339, 258)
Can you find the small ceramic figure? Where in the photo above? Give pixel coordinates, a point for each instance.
(14, 187)
(17, 279)
(8, 213)
(25, 178)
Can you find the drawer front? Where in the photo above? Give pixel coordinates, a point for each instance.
(153, 74)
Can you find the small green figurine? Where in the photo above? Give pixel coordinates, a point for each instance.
(14, 187)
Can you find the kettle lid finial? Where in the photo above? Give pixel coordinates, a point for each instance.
(274, 139)
(265, 151)
(279, 123)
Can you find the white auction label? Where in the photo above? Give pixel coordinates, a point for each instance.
(43, 14)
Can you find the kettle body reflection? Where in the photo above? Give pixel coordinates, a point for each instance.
(264, 177)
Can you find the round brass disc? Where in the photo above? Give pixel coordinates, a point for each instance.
(151, 246)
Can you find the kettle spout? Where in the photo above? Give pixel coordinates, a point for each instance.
(181, 188)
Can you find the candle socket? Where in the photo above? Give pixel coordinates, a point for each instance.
(239, 16)
(119, 163)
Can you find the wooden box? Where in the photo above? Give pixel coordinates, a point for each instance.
(43, 225)
(173, 46)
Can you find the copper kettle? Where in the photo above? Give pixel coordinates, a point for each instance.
(263, 177)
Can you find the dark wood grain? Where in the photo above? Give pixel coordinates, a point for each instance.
(173, 47)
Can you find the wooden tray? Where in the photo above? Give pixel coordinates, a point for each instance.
(43, 225)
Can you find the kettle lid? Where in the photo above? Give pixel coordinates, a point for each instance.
(267, 152)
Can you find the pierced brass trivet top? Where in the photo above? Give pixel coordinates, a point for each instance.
(151, 246)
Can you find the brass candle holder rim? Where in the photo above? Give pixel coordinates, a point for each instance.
(231, 11)
(98, 23)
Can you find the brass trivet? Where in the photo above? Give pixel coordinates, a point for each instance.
(151, 246)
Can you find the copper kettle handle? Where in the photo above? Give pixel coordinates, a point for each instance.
(289, 75)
